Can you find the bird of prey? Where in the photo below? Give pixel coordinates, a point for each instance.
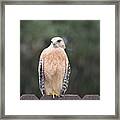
(54, 69)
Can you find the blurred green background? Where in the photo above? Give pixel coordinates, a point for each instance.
(82, 38)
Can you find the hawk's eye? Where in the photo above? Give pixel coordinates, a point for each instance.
(59, 41)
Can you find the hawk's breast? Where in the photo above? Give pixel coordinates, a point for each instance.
(54, 63)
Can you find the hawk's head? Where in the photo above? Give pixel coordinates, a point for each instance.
(58, 42)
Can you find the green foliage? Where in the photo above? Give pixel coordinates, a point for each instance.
(82, 40)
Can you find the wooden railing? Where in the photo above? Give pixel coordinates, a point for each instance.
(65, 97)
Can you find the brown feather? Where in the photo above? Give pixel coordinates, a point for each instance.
(55, 63)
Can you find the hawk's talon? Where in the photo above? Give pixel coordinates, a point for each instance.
(54, 94)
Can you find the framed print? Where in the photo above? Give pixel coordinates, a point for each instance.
(60, 59)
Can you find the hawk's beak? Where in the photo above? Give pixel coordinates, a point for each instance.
(63, 46)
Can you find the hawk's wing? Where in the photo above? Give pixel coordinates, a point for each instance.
(41, 77)
(66, 80)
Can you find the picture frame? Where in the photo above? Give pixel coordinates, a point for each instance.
(80, 2)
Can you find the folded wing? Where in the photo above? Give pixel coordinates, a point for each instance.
(41, 77)
(66, 79)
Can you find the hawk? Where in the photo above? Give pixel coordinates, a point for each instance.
(54, 69)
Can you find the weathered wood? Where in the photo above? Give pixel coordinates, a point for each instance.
(28, 97)
(64, 97)
(91, 97)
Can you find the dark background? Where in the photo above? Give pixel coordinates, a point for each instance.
(82, 40)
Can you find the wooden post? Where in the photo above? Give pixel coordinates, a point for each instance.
(28, 97)
(64, 97)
